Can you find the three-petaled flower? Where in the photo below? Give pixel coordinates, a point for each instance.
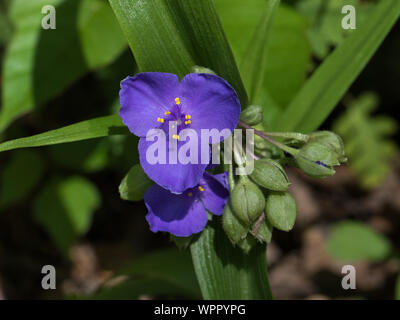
(152, 100)
(184, 214)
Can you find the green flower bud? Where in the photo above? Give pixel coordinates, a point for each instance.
(281, 210)
(234, 229)
(199, 69)
(332, 141)
(270, 175)
(252, 115)
(317, 160)
(247, 201)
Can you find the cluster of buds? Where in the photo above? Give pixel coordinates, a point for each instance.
(261, 201)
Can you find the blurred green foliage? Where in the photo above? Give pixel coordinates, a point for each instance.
(355, 241)
(40, 64)
(325, 19)
(65, 208)
(366, 139)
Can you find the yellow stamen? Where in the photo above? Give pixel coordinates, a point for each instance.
(167, 113)
(188, 122)
(188, 116)
(190, 194)
(175, 136)
(177, 101)
(160, 120)
(201, 188)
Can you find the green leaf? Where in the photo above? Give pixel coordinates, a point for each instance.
(176, 268)
(89, 129)
(65, 209)
(284, 72)
(325, 88)
(173, 36)
(253, 63)
(225, 272)
(134, 184)
(87, 36)
(99, 33)
(19, 176)
(354, 241)
(366, 143)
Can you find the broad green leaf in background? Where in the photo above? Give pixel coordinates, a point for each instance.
(65, 209)
(322, 92)
(40, 64)
(224, 273)
(326, 21)
(366, 140)
(173, 36)
(134, 184)
(99, 33)
(355, 241)
(89, 129)
(19, 176)
(287, 53)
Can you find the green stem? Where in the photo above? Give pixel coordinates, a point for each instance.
(263, 135)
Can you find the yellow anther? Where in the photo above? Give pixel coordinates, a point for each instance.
(201, 188)
(160, 120)
(175, 136)
(188, 116)
(190, 194)
(167, 113)
(188, 122)
(177, 101)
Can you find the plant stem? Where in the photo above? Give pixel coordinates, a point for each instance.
(263, 135)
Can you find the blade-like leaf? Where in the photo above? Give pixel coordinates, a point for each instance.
(325, 88)
(89, 129)
(253, 63)
(225, 272)
(172, 36)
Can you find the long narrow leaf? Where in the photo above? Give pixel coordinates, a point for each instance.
(89, 129)
(225, 272)
(172, 36)
(328, 84)
(253, 64)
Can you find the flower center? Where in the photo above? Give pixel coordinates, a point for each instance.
(175, 114)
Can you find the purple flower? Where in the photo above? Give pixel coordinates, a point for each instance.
(184, 214)
(200, 101)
